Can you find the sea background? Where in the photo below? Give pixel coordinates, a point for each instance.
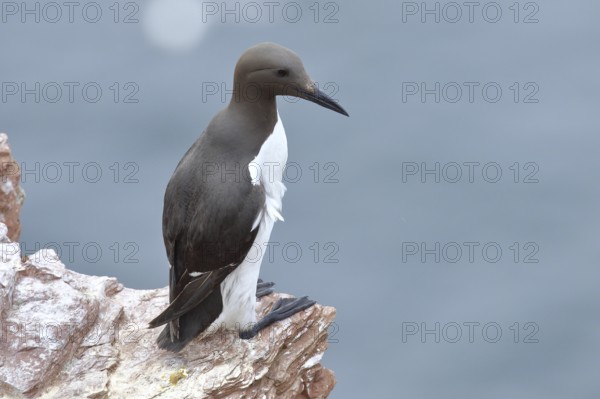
(378, 210)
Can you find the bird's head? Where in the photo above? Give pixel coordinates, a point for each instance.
(270, 70)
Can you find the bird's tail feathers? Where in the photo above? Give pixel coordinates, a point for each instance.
(191, 324)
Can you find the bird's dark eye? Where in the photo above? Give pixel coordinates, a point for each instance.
(282, 73)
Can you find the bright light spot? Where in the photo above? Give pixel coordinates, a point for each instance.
(174, 24)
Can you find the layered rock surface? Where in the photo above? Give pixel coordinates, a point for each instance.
(68, 335)
(11, 194)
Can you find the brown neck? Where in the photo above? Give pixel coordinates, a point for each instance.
(247, 122)
(256, 103)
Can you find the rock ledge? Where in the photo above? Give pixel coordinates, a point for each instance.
(68, 335)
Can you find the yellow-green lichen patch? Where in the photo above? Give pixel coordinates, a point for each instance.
(178, 375)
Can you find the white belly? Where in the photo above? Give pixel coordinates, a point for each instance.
(239, 288)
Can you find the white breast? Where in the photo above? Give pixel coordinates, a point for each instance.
(267, 170)
(238, 290)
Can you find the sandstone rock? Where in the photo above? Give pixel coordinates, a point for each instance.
(68, 335)
(11, 195)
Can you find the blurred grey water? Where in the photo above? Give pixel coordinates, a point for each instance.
(407, 253)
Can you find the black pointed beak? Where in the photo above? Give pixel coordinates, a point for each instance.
(318, 97)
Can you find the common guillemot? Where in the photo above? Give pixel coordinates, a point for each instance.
(224, 198)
